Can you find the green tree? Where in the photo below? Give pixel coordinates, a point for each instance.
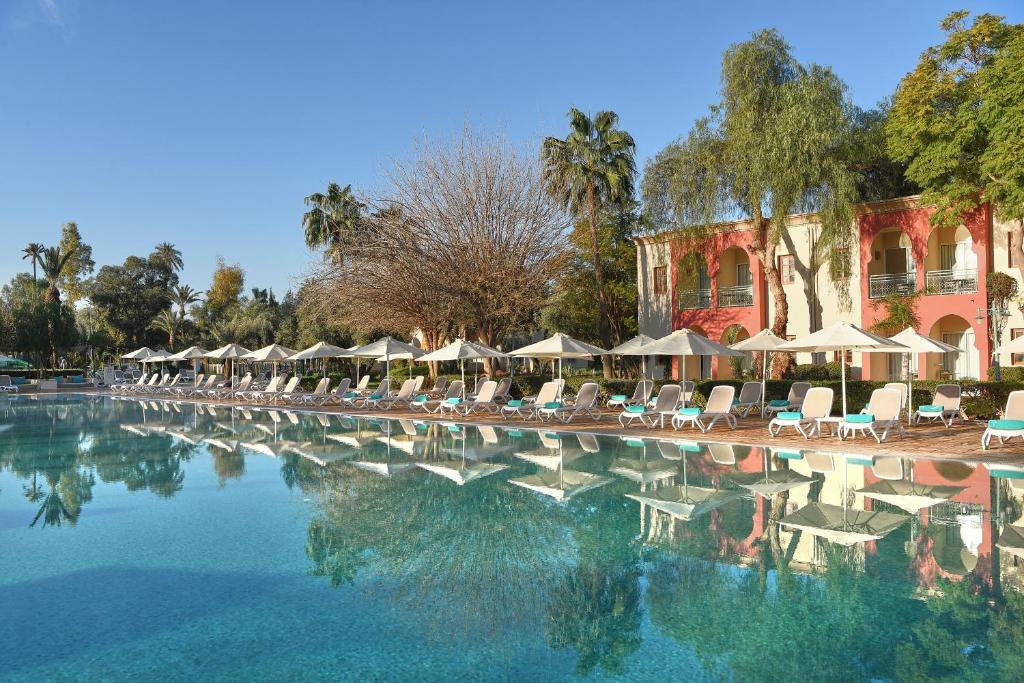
(167, 254)
(225, 287)
(33, 251)
(129, 296)
(54, 263)
(43, 326)
(589, 171)
(333, 221)
(73, 281)
(879, 176)
(957, 120)
(184, 296)
(166, 322)
(779, 141)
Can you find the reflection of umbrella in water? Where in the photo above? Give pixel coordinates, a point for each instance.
(771, 482)
(908, 495)
(955, 546)
(841, 525)
(321, 454)
(274, 450)
(683, 501)
(1012, 541)
(230, 445)
(641, 469)
(559, 483)
(386, 468)
(468, 467)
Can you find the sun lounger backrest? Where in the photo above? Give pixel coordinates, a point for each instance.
(407, 389)
(488, 434)
(643, 391)
(363, 382)
(343, 385)
(440, 385)
(668, 398)
(587, 395)
(486, 394)
(211, 381)
(900, 387)
(687, 386)
(244, 384)
(817, 403)
(384, 388)
(819, 462)
(947, 396)
(321, 386)
(292, 383)
(504, 387)
(720, 399)
(275, 382)
(1014, 406)
(419, 382)
(198, 380)
(455, 389)
(797, 391)
(548, 392)
(722, 453)
(588, 443)
(885, 404)
(750, 392)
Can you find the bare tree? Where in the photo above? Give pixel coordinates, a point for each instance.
(464, 239)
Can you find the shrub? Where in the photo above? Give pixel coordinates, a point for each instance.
(809, 372)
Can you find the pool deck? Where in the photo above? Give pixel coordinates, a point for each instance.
(930, 441)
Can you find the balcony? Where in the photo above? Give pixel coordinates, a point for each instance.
(959, 281)
(693, 299)
(731, 297)
(890, 284)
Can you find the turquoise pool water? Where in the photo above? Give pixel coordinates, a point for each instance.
(160, 541)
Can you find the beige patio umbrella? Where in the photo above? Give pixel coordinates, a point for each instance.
(683, 501)
(916, 343)
(558, 346)
(462, 350)
(908, 495)
(229, 352)
(192, 353)
(273, 353)
(841, 525)
(639, 467)
(764, 341)
(138, 354)
(388, 348)
(771, 482)
(321, 350)
(627, 348)
(684, 343)
(842, 337)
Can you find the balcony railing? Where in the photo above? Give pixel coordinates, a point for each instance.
(694, 298)
(960, 281)
(730, 297)
(900, 284)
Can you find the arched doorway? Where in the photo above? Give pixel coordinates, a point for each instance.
(892, 268)
(733, 368)
(954, 330)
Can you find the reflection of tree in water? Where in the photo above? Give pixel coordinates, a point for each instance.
(227, 465)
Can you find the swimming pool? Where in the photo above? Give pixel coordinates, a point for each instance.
(183, 542)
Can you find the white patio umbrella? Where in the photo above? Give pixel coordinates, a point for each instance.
(321, 350)
(462, 350)
(842, 337)
(628, 347)
(229, 352)
(684, 343)
(558, 346)
(272, 353)
(916, 343)
(138, 354)
(764, 341)
(387, 348)
(192, 353)
(158, 356)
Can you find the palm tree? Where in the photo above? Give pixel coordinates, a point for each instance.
(167, 253)
(165, 321)
(592, 167)
(183, 296)
(33, 251)
(333, 220)
(53, 262)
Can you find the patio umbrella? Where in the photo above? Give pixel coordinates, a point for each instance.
(462, 350)
(387, 347)
(642, 469)
(683, 501)
(138, 354)
(229, 352)
(627, 348)
(158, 356)
(192, 353)
(771, 482)
(841, 525)
(908, 495)
(321, 350)
(684, 343)
(842, 337)
(273, 353)
(558, 347)
(764, 341)
(553, 479)
(916, 343)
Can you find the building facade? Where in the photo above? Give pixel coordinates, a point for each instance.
(725, 296)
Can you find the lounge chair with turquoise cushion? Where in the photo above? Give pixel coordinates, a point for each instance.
(718, 408)
(792, 402)
(431, 405)
(528, 408)
(641, 395)
(337, 395)
(664, 405)
(483, 402)
(883, 415)
(817, 404)
(686, 415)
(945, 406)
(749, 398)
(1011, 424)
(585, 403)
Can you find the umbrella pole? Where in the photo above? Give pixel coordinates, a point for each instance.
(462, 365)
(842, 365)
(910, 389)
(764, 382)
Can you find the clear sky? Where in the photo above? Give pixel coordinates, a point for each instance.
(205, 123)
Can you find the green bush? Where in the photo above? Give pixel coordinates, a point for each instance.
(1013, 373)
(809, 372)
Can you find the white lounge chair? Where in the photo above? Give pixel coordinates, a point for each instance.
(664, 405)
(307, 397)
(406, 393)
(504, 391)
(383, 390)
(719, 407)
(795, 399)
(453, 392)
(641, 395)
(7, 385)
(945, 406)
(484, 401)
(526, 408)
(883, 414)
(748, 400)
(334, 396)
(1011, 424)
(439, 388)
(586, 403)
(817, 404)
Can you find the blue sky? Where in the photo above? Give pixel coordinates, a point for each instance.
(206, 123)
